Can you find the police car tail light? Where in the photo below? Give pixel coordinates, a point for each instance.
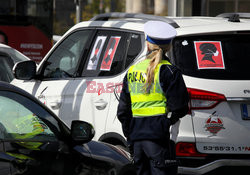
(200, 99)
(187, 149)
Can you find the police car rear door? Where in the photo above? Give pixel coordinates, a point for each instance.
(100, 73)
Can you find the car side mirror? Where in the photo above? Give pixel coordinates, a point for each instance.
(81, 132)
(25, 70)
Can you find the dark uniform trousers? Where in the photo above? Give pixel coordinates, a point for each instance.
(154, 157)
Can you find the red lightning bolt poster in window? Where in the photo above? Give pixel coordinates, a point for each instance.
(209, 55)
(110, 52)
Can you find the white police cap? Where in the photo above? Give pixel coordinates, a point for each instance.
(159, 32)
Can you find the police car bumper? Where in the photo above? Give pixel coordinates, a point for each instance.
(214, 165)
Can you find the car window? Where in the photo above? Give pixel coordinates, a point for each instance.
(16, 55)
(109, 53)
(6, 65)
(63, 62)
(214, 56)
(22, 119)
(134, 48)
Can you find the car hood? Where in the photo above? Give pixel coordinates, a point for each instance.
(105, 152)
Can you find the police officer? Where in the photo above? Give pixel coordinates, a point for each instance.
(151, 90)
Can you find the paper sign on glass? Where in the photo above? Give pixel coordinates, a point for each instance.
(110, 53)
(96, 52)
(209, 55)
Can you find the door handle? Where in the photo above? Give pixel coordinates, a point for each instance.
(100, 104)
(55, 104)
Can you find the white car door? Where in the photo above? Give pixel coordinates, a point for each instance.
(92, 91)
(94, 98)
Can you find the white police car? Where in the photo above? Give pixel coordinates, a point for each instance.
(81, 76)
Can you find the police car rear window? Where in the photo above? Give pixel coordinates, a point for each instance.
(225, 57)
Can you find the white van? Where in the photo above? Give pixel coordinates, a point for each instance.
(81, 77)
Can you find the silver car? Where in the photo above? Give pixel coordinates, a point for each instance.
(8, 57)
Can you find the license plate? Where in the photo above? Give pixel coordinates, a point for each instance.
(245, 111)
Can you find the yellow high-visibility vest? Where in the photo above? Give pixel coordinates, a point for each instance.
(26, 127)
(146, 104)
